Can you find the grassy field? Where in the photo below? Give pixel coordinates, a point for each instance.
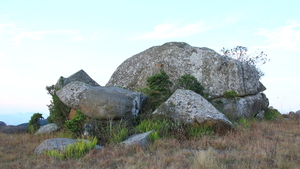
(255, 144)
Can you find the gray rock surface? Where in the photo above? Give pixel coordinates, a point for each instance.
(49, 128)
(81, 76)
(186, 106)
(215, 72)
(13, 129)
(248, 106)
(101, 102)
(57, 144)
(140, 139)
(54, 144)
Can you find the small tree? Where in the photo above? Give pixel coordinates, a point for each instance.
(34, 123)
(190, 83)
(158, 89)
(240, 53)
(160, 82)
(59, 112)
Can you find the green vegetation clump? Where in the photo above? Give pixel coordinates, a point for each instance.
(73, 151)
(271, 114)
(34, 124)
(230, 94)
(59, 112)
(189, 82)
(75, 125)
(118, 133)
(158, 90)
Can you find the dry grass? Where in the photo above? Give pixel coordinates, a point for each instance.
(265, 144)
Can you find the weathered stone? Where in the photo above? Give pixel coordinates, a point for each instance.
(101, 102)
(186, 106)
(57, 144)
(81, 76)
(215, 72)
(140, 139)
(13, 129)
(49, 128)
(54, 144)
(248, 106)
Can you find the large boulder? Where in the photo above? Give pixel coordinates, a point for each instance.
(49, 128)
(81, 76)
(248, 106)
(188, 107)
(101, 102)
(215, 72)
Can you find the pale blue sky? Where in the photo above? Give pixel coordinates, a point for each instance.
(43, 40)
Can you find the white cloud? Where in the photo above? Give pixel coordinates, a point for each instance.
(286, 37)
(36, 35)
(173, 30)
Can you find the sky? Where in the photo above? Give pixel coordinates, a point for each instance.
(43, 40)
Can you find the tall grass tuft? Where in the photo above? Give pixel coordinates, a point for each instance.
(75, 151)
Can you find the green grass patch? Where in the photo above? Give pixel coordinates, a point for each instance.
(73, 151)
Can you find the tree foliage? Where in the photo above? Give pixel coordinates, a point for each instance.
(241, 53)
(34, 123)
(189, 82)
(160, 82)
(75, 125)
(59, 112)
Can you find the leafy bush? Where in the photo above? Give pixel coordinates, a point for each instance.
(160, 82)
(271, 114)
(189, 82)
(230, 94)
(59, 112)
(75, 125)
(34, 123)
(76, 150)
(158, 90)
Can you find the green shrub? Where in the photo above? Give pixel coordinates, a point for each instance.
(271, 114)
(158, 90)
(59, 112)
(34, 123)
(160, 82)
(75, 125)
(189, 82)
(76, 150)
(230, 94)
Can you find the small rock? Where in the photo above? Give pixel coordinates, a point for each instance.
(47, 129)
(140, 139)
